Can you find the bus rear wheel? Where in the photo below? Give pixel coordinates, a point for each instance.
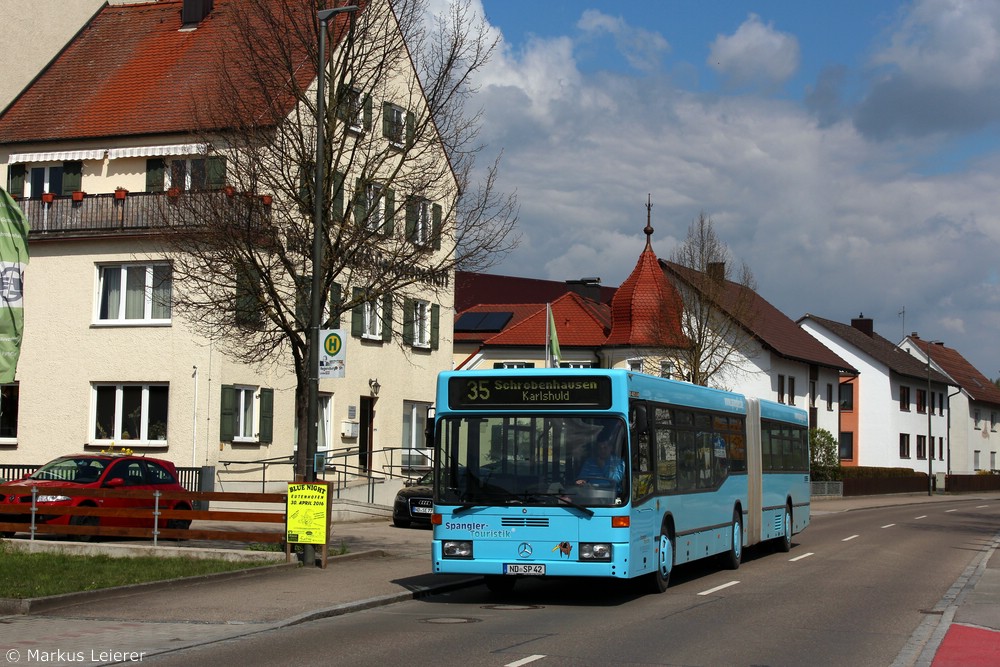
(659, 580)
(784, 543)
(732, 558)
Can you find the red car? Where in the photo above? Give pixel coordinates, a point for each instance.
(96, 471)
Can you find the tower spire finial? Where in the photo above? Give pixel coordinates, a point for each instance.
(649, 228)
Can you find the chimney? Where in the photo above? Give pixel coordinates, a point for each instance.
(863, 324)
(194, 11)
(717, 271)
(588, 288)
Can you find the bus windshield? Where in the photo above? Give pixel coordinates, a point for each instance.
(532, 460)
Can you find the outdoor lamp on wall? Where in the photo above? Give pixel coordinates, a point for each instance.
(374, 386)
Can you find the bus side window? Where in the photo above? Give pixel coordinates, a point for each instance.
(642, 462)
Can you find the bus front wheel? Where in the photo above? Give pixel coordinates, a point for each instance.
(731, 559)
(660, 579)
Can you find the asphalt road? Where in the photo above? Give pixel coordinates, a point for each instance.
(853, 590)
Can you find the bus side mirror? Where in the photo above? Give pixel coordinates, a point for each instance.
(638, 424)
(429, 428)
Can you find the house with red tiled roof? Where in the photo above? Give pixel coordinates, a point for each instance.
(974, 407)
(890, 403)
(775, 358)
(595, 326)
(132, 128)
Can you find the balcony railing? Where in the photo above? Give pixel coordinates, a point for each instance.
(140, 212)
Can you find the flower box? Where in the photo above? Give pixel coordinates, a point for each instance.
(120, 193)
(78, 195)
(48, 197)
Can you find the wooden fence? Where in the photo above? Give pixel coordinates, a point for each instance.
(151, 509)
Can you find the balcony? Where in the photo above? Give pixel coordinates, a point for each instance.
(136, 213)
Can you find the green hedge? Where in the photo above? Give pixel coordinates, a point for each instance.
(861, 472)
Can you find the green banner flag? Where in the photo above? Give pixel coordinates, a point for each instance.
(13, 261)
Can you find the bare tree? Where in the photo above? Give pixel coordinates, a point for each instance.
(404, 206)
(718, 312)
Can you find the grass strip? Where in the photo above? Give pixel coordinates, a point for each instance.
(32, 575)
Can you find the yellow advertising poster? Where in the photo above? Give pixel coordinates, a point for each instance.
(307, 513)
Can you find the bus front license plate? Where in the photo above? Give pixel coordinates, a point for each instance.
(523, 568)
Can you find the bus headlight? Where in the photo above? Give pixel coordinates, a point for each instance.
(456, 549)
(595, 551)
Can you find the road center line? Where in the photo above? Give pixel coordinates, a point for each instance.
(979, 507)
(848, 539)
(946, 511)
(718, 588)
(922, 516)
(889, 525)
(524, 661)
(792, 560)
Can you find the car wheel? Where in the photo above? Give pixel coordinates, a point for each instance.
(179, 524)
(91, 521)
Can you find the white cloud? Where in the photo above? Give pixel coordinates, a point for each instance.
(756, 54)
(641, 48)
(938, 73)
(829, 221)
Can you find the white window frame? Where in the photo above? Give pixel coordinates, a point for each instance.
(47, 178)
(666, 369)
(634, 364)
(375, 205)
(125, 270)
(372, 311)
(413, 442)
(422, 224)
(10, 402)
(356, 111)
(398, 122)
(576, 364)
(421, 323)
(189, 164)
(247, 414)
(119, 431)
(324, 433)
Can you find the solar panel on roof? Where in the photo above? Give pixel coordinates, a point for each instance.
(484, 322)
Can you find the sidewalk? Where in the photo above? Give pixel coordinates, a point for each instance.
(385, 564)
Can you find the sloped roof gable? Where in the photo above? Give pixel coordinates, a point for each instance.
(961, 371)
(772, 328)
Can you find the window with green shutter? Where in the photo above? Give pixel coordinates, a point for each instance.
(15, 179)
(216, 172)
(155, 170)
(72, 177)
(335, 304)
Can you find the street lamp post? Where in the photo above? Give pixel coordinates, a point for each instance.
(319, 237)
(930, 440)
(928, 403)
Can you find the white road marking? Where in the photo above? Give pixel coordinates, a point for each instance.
(524, 661)
(946, 511)
(922, 516)
(792, 560)
(718, 588)
(848, 539)
(889, 525)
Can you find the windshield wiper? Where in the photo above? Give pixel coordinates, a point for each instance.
(563, 498)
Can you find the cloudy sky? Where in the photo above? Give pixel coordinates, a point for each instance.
(847, 151)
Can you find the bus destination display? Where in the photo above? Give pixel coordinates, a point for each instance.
(530, 393)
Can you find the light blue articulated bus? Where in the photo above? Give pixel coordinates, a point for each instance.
(608, 473)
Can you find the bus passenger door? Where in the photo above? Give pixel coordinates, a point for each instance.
(644, 527)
